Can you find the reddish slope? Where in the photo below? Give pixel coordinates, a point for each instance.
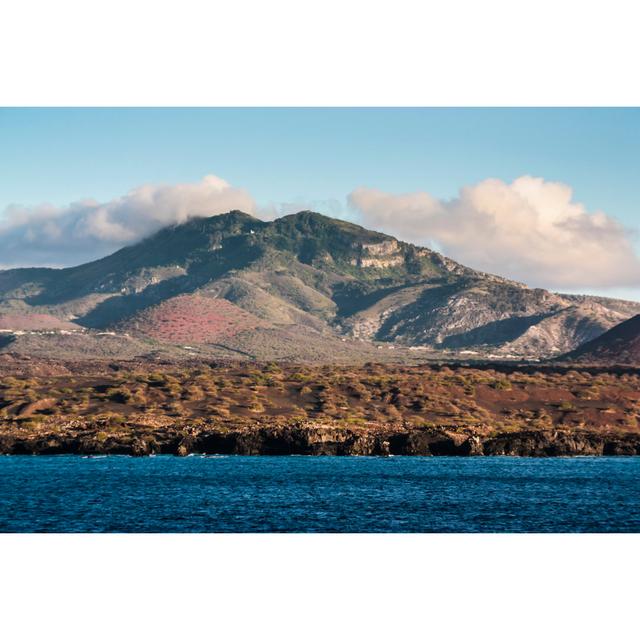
(191, 319)
(620, 345)
(34, 322)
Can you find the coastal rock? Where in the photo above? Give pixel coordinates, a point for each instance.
(322, 440)
(545, 444)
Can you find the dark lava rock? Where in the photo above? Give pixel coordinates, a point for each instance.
(307, 439)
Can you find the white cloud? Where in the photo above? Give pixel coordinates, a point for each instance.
(45, 235)
(530, 230)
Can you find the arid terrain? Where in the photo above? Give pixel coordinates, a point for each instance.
(139, 407)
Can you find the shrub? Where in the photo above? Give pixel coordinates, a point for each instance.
(156, 380)
(121, 395)
(31, 421)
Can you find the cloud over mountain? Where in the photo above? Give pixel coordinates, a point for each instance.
(48, 235)
(530, 230)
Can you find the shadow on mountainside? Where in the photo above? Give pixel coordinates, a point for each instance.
(493, 333)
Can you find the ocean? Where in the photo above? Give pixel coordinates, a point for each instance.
(318, 494)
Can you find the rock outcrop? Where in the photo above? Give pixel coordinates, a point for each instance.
(318, 440)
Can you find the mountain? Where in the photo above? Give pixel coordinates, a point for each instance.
(304, 285)
(620, 345)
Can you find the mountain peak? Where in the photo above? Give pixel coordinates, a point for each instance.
(235, 215)
(312, 222)
(307, 214)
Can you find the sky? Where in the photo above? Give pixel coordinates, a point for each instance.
(545, 196)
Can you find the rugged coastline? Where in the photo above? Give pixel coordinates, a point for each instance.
(316, 440)
(144, 408)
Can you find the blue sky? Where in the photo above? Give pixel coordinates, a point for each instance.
(59, 156)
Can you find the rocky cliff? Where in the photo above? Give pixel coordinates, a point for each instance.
(315, 439)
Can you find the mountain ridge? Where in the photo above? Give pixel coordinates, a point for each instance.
(307, 272)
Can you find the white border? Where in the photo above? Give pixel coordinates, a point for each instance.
(319, 586)
(335, 52)
(81, 52)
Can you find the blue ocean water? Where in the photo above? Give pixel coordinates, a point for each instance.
(323, 494)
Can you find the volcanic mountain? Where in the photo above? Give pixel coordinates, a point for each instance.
(304, 285)
(620, 345)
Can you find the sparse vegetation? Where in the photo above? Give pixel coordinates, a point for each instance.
(459, 397)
